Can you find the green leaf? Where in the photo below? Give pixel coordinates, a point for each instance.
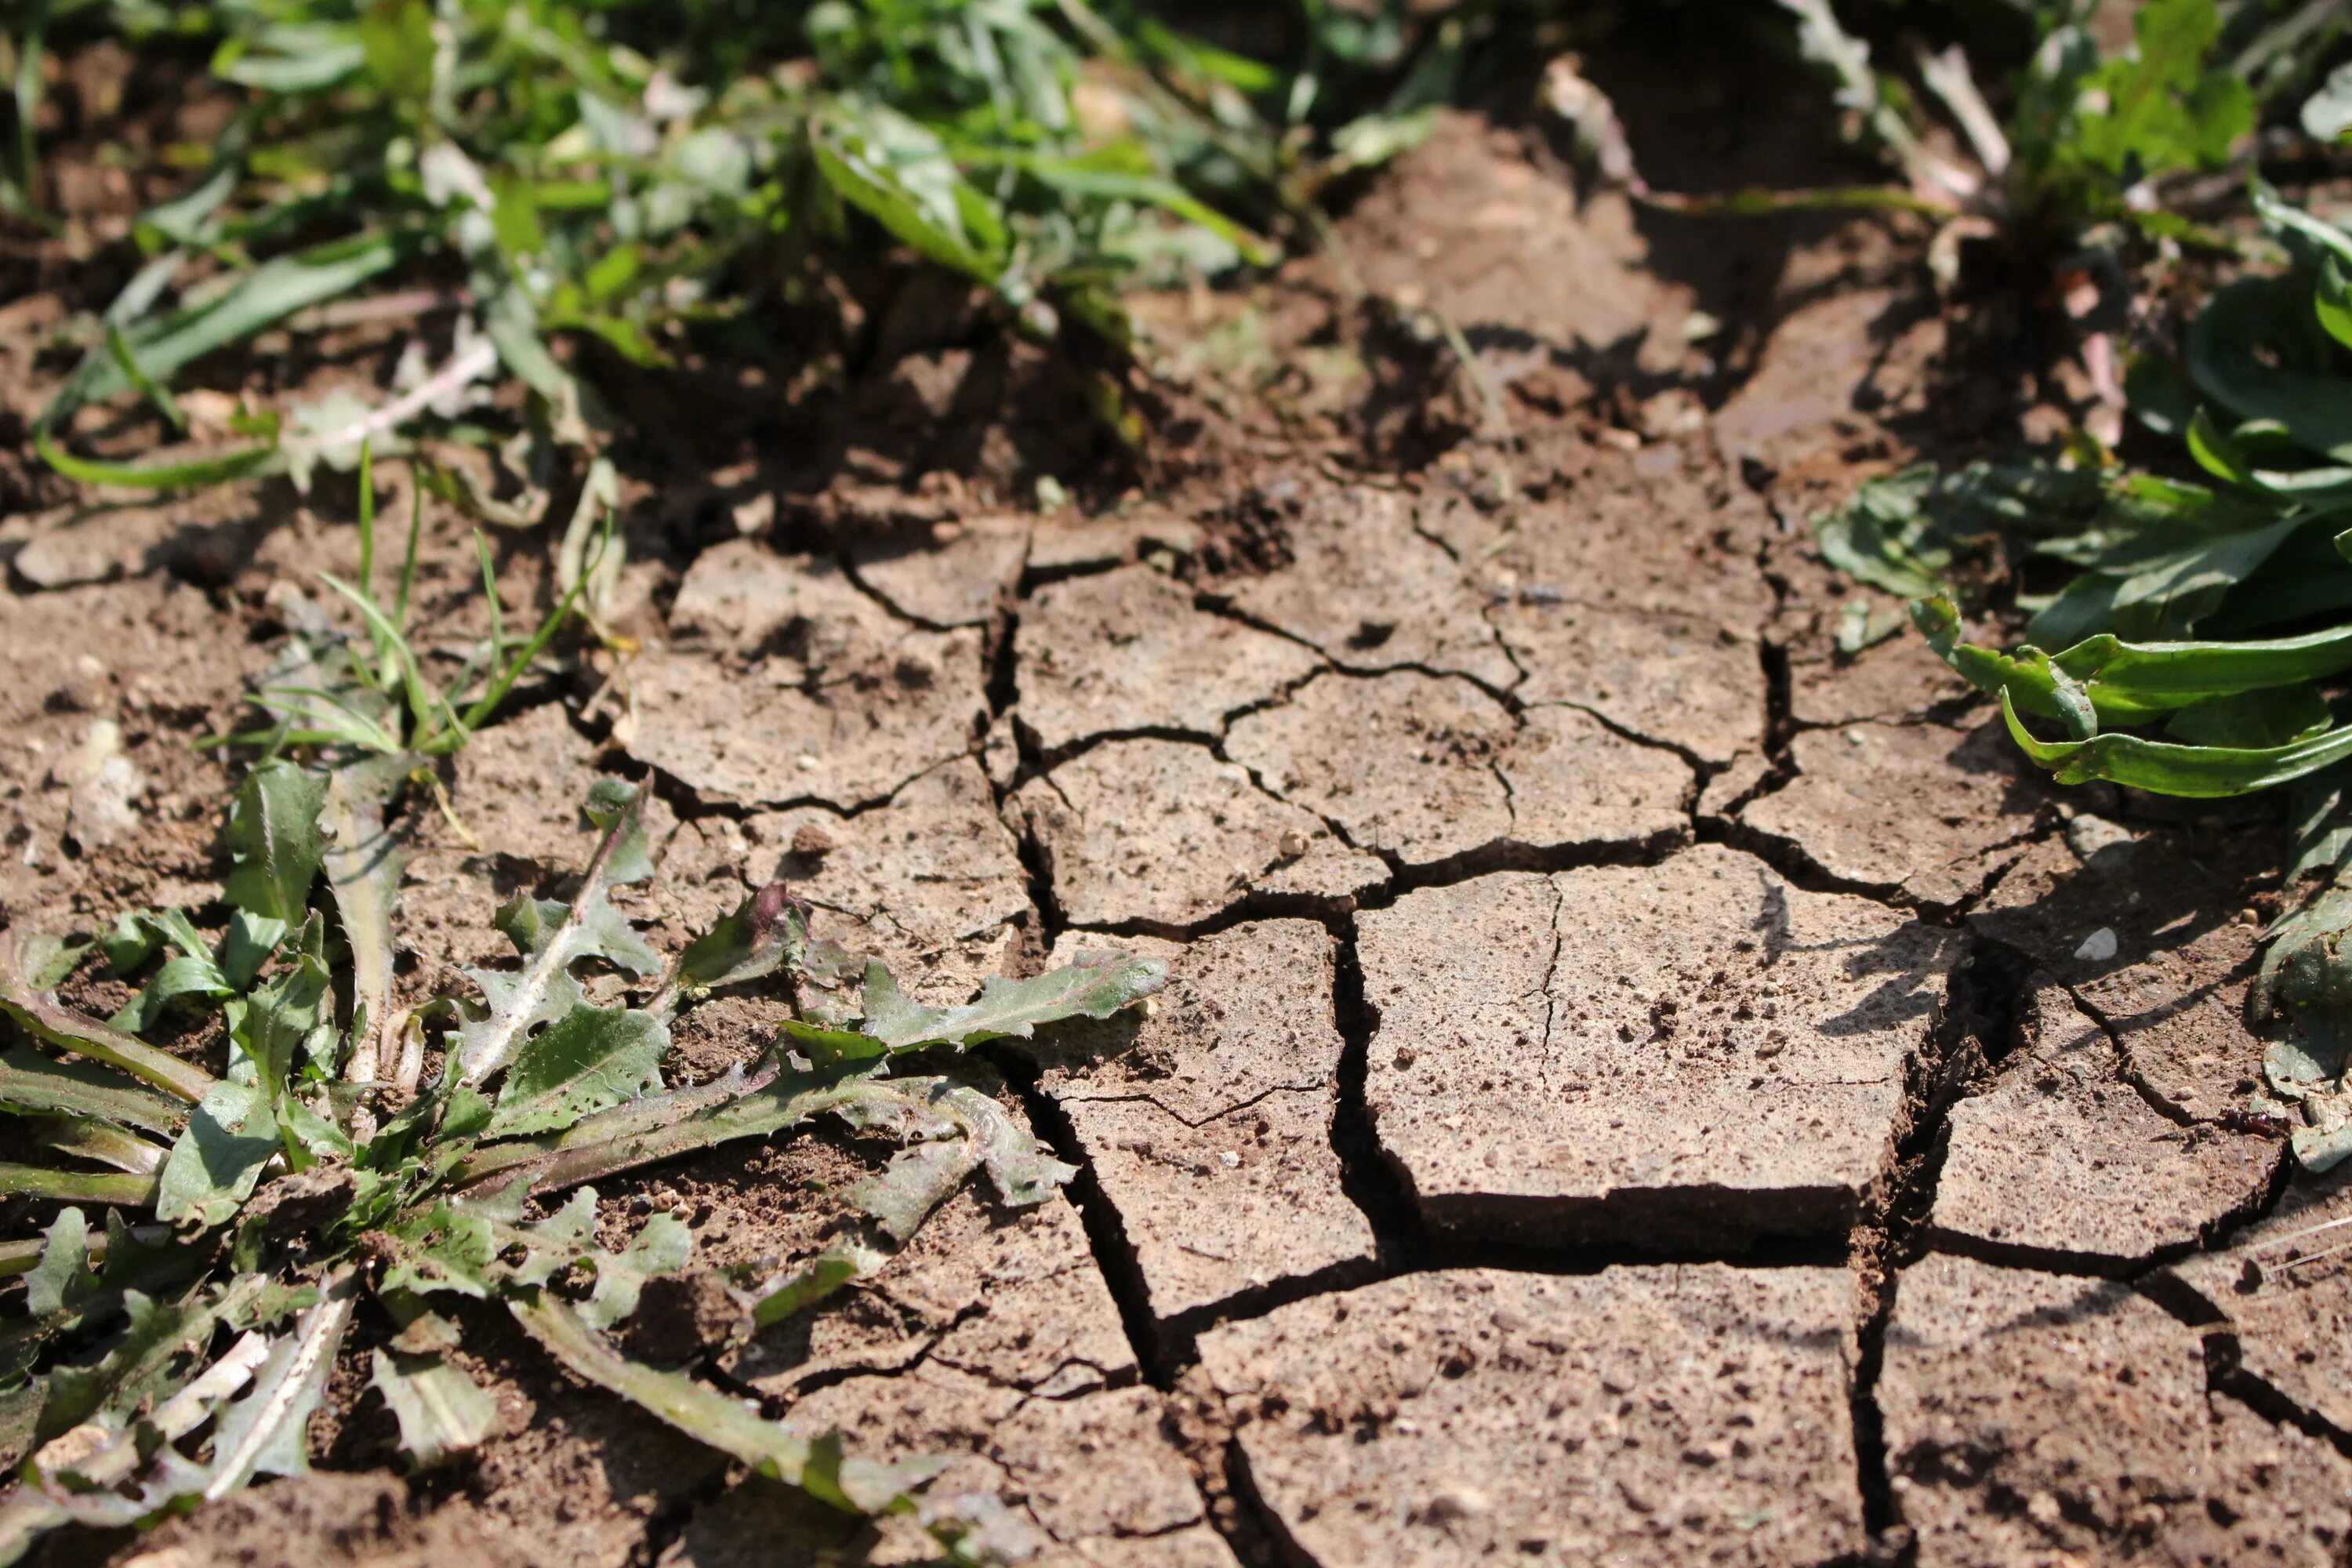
(287, 1020)
(2161, 767)
(820, 1277)
(2252, 720)
(662, 1246)
(397, 40)
(62, 1282)
(590, 1060)
(2249, 351)
(267, 1432)
(2130, 682)
(442, 1411)
(273, 839)
(764, 931)
(1096, 986)
(30, 1082)
(714, 1418)
(261, 297)
(554, 937)
(213, 1168)
(448, 1247)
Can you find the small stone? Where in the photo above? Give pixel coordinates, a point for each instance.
(2098, 947)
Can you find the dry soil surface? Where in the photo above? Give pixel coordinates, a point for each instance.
(1636, 1086)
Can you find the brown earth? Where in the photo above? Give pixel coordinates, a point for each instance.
(1636, 1086)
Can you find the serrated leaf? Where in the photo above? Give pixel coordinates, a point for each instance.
(446, 1248)
(590, 1060)
(1096, 986)
(662, 1246)
(287, 1022)
(274, 840)
(442, 1411)
(552, 938)
(62, 1282)
(816, 1467)
(267, 1431)
(213, 1166)
(955, 1129)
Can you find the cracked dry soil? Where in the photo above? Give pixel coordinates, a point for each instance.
(1634, 1088)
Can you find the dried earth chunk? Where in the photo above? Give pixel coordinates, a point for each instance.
(1899, 680)
(2180, 1015)
(1675, 679)
(767, 737)
(1422, 771)
(1084, 1481)
(1915, 812)
(1207, 1125)
(1701, 1054)
(2064, 1161)
(1673, 1415)
(1162, 834)
(2095, 898)
(2283, 1286)
(2035, 1417)
(952, 574)
(1125, 651)
(743, 598)
(1373, 595)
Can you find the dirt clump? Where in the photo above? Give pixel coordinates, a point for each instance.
(1917, 813)
(2029, 1415)
(1700, 1055)
(1422, 771)
(1160, 834)
(2064, 1161)
(1655, 1415)
(1207, 1125)
(1125, 652)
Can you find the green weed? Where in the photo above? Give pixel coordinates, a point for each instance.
(575, 187)
(2201, 629)
(300, 1177)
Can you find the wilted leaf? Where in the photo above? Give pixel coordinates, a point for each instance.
(362, 866)
(442, 1411)
(63, 1280)
(554, 937)
(1096, 986)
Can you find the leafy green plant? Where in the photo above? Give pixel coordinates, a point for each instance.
(2202, 629)
(628, 179)
(294, 1181)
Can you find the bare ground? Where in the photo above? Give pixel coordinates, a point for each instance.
(1635, 1086)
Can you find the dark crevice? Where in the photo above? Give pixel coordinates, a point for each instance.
(1106, 1231)
(1216, 605)
(1980, 1026)
(1367, 1176)
(2227, 1377)
(668, 1524)
(1779, 723)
